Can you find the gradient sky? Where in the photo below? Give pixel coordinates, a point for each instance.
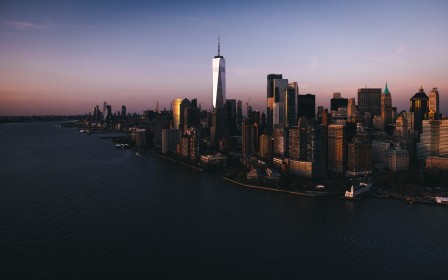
(64, 57)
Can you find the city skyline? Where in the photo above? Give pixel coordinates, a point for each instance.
(64, 58)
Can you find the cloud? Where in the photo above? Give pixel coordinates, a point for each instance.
(21, 25)
(398, 52)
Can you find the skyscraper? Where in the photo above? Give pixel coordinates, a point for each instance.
(219, 80)
(307, 106)
(250, 137)
(386, 108)
(369, 102)
(176, 113)
(337, 148)
(337, 101)
(270, 100)
(218, 129)
(123, 112)
(351, 107)
(419, 106)
(290, 106)
(433, 140)
(434, 104)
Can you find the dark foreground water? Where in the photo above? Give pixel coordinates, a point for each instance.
(73, 207)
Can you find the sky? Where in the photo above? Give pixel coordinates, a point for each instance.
(64, 57)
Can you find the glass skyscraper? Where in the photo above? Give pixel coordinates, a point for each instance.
(219, 80)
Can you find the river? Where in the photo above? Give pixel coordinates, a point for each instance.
(74, 207)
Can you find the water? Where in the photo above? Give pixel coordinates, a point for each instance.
(74, 207)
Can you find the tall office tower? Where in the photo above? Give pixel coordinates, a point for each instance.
(175, 106)
(369, 102)
(239, 113)
(317, 148)
(351, 107)
(255, 116)
(360, 160)
(433, 140)
(290, 106)
(337, 148)
(337, 101)
(279, 140)
(293, 139)
(191, 117)
(265, 146)
(123, 112)
(271, 99)
(219, 80)
(326, 118)
(278, 113)
(307, 106)
(218, 129)
(419, 106)
(185, 104)
(96, 113)
(230, 109)
(104, 110)
(386, 108)
(302, 127)
(108, 112)
(250, 135)
(434, 104)
(320, 110)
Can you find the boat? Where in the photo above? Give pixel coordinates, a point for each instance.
(359, 188)
(122, 146)
(441, 200)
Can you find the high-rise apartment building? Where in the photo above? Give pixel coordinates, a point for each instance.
(170, 140)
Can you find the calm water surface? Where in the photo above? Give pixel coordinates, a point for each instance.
(74, 207)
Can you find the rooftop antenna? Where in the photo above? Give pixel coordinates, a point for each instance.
(219, 45)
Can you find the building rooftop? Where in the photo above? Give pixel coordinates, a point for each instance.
(420, 94)
(386, 90)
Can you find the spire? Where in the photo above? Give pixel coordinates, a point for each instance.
(219, 45)
(421, 89)
(386, 90)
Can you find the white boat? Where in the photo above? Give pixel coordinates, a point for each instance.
(358, 188)
(441, 200)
